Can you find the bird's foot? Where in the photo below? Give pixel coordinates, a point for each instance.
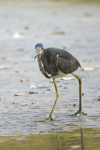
(50, 118)
(78, 112)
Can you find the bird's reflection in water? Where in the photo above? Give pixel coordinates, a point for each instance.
(82, 143)
(60, 141)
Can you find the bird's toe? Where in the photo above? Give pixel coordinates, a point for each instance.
(79, 112)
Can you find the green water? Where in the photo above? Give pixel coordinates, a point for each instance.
(80, 139)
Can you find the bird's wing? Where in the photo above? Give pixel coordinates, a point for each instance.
(67, 65)
(60, 59)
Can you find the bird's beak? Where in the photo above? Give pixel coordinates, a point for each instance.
(37, 52)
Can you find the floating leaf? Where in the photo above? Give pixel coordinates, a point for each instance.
(31, 92)
(21, 80)
(19, 94)
(58, 32)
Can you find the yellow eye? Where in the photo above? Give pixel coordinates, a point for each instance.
(41, 48)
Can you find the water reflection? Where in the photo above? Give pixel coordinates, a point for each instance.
(82, 139)
(60, 142)
(82, 143)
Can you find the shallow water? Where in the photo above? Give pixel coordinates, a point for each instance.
(81, 139)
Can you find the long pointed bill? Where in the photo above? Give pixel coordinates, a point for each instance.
(37, 52)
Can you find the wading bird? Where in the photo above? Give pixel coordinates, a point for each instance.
(57, 63)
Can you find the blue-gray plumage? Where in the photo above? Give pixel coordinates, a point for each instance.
(55, 63)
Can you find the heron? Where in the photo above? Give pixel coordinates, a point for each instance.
(57, 63)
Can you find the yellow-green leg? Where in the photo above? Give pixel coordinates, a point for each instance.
(80, 102)
(57, 96)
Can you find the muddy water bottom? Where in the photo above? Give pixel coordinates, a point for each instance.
(81, 139)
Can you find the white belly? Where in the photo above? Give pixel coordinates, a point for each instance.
(60, 74)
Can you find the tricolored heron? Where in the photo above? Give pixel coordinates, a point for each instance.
(56, 63)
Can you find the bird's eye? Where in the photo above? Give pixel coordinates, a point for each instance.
(41, 48)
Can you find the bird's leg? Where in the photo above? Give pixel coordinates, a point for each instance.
(80, 103)
(57, 96)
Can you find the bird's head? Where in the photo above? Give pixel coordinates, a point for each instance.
(39, 49)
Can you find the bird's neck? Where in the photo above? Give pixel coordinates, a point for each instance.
(41, 66)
